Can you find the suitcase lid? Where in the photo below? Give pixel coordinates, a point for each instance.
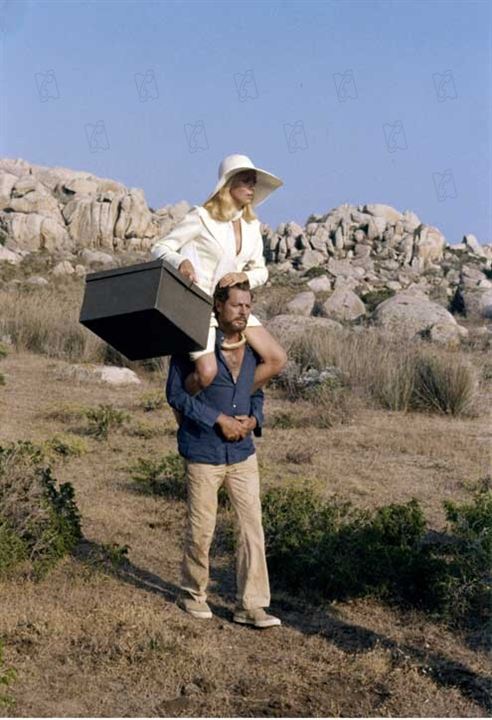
(154, 264)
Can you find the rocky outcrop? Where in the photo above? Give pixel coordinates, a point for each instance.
(350, 258)
(61, 210)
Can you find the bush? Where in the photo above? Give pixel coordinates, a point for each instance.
(300, 456)
(443, 385)
(398, 374)
(336, 551)
(65, 446)
(161, 476)
(38, 521)
(7, 676)
(146, 430)
(153, 401)
(392, 383)
(375, 297)
(3, 351)
(167, 476)
(104, 418)
(2, 379)
(467, 588)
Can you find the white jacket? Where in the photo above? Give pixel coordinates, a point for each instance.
(210, 245)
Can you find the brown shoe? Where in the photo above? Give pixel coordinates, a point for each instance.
(257, 617)
(198, 610)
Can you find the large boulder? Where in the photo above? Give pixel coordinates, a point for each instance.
(343, 304)
(477, 302)
(387, 212)
(428, 246)
(411, 313)
(9, 256)
(95, 374)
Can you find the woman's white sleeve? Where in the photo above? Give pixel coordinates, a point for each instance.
(168, 247)
(255, 268)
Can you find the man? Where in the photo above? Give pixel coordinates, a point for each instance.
(215, 439)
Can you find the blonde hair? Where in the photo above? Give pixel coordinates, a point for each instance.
(221, 206)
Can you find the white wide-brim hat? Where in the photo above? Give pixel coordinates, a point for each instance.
(266, 183)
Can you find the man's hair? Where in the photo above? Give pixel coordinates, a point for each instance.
(221, 294)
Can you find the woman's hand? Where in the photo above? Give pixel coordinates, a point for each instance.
(188, 271)
(232, 279)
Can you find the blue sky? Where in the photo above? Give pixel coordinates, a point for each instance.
(347, 101)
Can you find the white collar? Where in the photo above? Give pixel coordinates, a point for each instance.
(237, 215)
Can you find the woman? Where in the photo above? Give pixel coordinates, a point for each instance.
(221, 242)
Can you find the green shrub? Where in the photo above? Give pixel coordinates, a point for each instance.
(300, 456)
(146, 430)
(2, 379)
(167, 476)
(284, 420)
(161, 476)
(39, 520)
(13, 550)
(104, 418)
(337, 551)
(3, 351)
(66, 414)
(467, 588)
(7, 677)
(153, 401)
(373, 298)
(65, 446)
(315, 272)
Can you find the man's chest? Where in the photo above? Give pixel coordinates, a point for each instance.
(234, 361)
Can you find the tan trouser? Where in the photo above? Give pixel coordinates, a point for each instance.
(242, 483)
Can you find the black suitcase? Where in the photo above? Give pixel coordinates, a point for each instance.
(146, 310)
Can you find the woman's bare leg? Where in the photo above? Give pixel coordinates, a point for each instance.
(203, 374)
(273, 355)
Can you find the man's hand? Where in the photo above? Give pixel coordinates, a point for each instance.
(232, 279)
(248, 422)
(188, 271)
(231, 428)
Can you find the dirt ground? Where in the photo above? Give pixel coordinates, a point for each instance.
(89, 640)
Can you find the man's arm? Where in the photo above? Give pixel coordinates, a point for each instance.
(254, 421)
(194, 408)
(256, 410)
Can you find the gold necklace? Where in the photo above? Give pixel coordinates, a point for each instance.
(234, 346)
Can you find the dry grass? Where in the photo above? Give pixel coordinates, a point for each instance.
(93, 640)
(399, 374)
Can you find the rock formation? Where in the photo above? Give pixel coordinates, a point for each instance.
(351, 258)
